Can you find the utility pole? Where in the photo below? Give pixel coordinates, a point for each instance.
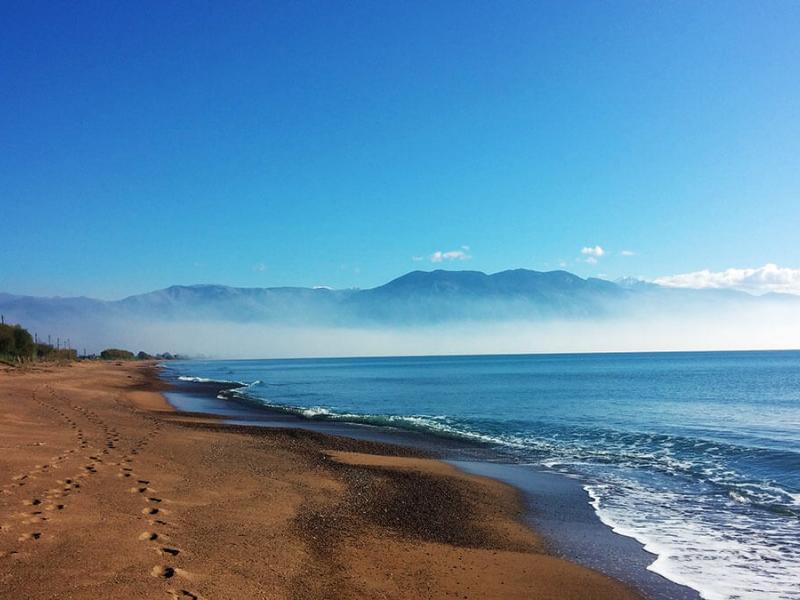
(48, 340)
(58, 343)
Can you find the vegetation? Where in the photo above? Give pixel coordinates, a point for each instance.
(18, 345)
(16, 342)
(48, 352)
(116, 354)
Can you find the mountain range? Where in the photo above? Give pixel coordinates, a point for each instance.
(416, 298)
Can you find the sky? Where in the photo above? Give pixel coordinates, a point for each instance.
(344, 144)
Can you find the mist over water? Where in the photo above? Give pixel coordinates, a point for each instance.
(763, 327)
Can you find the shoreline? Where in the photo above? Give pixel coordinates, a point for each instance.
(557, 507)
(94, 458)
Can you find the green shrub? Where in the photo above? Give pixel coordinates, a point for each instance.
(116, 354)
(16, 342)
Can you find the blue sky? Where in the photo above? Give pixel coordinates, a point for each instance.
(256, 144)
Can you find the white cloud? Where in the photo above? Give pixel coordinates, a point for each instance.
(592, 253)
(769, 278)
(449, 255)
(596, 251)
(259, 268)
(627, 253)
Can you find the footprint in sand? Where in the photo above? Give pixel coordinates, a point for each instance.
(162, 571)
(153, 511)
(29, 537)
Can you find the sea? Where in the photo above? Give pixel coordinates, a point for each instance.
(695, 455)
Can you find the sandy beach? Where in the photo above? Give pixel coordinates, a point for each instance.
(106, 491)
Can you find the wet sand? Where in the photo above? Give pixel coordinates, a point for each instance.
(106, 491)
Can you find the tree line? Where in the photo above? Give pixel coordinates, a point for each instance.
(17, 345)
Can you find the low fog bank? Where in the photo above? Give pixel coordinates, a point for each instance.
(763, 327)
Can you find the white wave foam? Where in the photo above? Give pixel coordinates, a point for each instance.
(314, 411)
(721, 555)
(207, 380)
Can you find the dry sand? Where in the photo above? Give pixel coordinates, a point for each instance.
(105, 492)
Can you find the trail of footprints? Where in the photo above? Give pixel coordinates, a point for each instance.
(154, 513)
(41, 508)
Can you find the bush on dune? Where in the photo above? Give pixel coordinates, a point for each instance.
(16, 342)
(116, 354)
(48, 352)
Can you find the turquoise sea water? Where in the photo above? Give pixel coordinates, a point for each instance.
(696, 455)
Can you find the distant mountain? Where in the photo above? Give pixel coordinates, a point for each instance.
(219, 302)
(422, 296)
(419, 297)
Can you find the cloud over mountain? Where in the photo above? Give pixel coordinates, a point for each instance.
(440, 256)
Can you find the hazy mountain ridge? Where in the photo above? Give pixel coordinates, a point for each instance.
(418, 297)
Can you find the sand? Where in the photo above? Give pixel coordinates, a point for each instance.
(106, 492)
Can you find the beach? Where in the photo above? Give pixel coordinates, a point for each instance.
(107, 490)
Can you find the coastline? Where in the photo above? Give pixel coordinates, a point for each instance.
(557, 507)
(97, 469)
